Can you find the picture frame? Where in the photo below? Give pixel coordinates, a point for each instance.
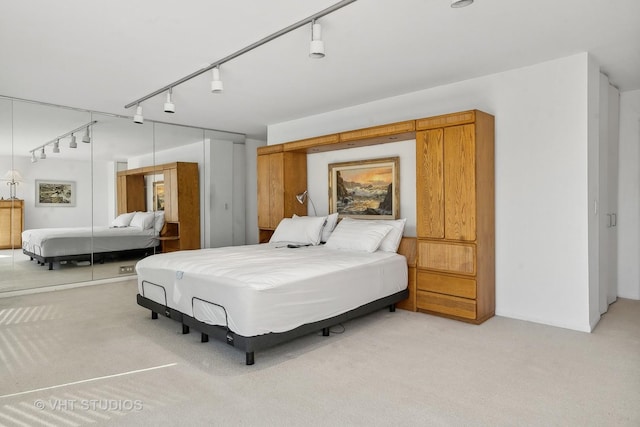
(55, 193)
(158, 196)
(365, 189)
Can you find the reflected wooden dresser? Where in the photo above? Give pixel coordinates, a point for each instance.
(11, 223)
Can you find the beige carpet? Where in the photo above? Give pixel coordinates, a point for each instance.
(99, 359)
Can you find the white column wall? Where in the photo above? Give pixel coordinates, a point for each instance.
(542, 199)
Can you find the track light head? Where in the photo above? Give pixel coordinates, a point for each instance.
(86, 138)
(72, 143)
(56, 146)
(138, 117)
(33, 157)
(216, 83)
(460, 3)
(43, 155)
(316, 48)
(169, 107)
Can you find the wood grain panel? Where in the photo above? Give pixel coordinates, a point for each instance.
(11, 223)
(430, 184)
(446, 120)
(450, 257)
(264, 192)
(459, 183)
(454, 306)
(410, 302)
(378, 131)
(305, 144)
(408, 249)
(450, 285)
(269, 149)
(276, 190)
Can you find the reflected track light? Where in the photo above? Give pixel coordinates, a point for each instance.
(43, 155)
(138, 117)
(316, 48)
(33, 157)
(169, 107)
(86, 138)
(72, 143)
(56, 146)
(216, 83)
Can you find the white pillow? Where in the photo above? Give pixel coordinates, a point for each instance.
(357, 235)
(332, 220)
(304, 230)
(142, 220)
(392, 240)
(158, 222)
(123, 220)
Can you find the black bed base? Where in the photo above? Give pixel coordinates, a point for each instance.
(92, 258)
(260, 342)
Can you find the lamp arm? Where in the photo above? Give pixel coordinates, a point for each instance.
(312, 205)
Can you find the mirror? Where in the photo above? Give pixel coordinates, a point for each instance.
(90, 172)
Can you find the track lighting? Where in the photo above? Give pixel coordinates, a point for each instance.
(33, 157)
(56, 146)
(43, 155)
(216, 83)
(138, 117)
(168, 106)
(460, 3)
(86, 138)
(316, 48)
(72, 143)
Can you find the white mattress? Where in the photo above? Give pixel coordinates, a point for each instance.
(51, 242)
(257, 289)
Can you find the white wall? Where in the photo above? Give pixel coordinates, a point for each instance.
(629, 196)
(83, 173)
(542, 199)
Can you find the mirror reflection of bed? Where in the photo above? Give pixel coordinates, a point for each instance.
(116, 144)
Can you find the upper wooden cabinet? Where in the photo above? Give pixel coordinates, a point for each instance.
(455, 216)
(11, 223)
(181, 201)
(281, 175)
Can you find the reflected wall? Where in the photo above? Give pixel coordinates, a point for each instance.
(116, 143)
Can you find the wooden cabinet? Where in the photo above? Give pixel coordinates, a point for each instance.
(181, 201)
(11, 223)
(281, 175)
(455, 216)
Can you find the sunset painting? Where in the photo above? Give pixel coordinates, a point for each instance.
(365, 188)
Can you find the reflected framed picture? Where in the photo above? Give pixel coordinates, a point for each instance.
(158, 196)
(365, 189)
(55, 193)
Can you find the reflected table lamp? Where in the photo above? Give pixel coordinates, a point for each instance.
(13, 179)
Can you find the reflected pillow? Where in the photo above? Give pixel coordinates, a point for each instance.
(355, 235)
(123, 220)
(304, 230)
(142, 220)
(158, 221)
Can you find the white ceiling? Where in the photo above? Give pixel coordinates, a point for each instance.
(103, 54)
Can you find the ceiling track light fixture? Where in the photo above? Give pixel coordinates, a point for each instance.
(169, 107)
(216, 83)
(460, 3)
(316, 40)
(56, 141)
(316, 47)
(86, 138)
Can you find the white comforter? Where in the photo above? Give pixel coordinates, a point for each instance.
(269, 287)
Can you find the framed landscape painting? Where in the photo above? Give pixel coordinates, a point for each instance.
(55, 193)
(365, 189)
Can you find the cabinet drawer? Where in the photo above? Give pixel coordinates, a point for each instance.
(457, 286)
(455, 258)
(446, 304)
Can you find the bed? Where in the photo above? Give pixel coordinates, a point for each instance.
(256, 296)
(126, 236)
